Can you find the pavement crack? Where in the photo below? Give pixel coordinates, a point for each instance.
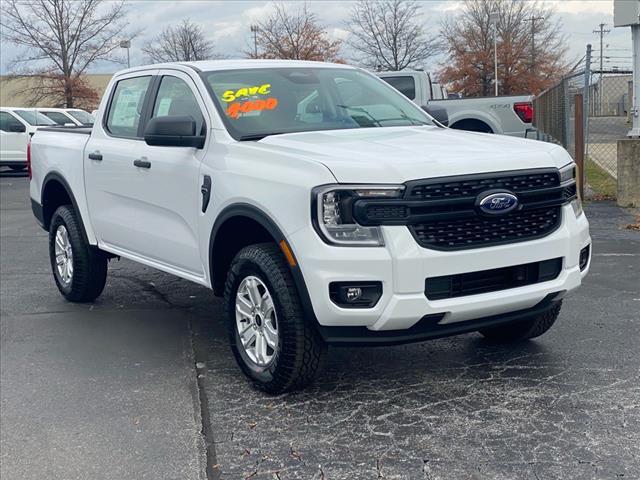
(213, 468)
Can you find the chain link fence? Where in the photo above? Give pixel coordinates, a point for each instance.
(606, 96)
(608, 120)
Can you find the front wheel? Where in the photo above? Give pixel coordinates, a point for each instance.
(526, 329)
(80, 270)
(274, 345)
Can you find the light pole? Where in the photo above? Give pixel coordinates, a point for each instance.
(126, 44)
(254, 30)
(493, 18)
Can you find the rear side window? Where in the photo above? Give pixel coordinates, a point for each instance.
(7, 121)
(125, 109)
(405, 85)
(175, 98)
(59, 118)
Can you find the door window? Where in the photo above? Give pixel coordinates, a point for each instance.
(175, 98)
(405, 85)
(7, 121)
(126, 106)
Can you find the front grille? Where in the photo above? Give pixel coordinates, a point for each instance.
(476, 184)
(473, 283)
(443, 213)
(475, 232)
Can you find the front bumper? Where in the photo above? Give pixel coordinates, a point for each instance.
(402, 267)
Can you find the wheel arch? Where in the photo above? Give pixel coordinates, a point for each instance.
(220, 257)
(55, 193)
(481, 124)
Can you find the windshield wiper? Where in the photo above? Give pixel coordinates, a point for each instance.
(362, 110)
(413, 121)
(258, 136)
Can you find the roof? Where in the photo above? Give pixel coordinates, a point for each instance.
(212, 65)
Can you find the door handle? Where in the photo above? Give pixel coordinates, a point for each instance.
(142, 163)
(95, 156)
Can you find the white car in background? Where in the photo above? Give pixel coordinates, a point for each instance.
(16, 127)
(80, 116)
(60, 117)
(68, 117)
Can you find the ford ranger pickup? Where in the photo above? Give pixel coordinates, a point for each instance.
(321, 204)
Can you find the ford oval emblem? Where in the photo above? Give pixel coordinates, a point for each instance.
(497, 203)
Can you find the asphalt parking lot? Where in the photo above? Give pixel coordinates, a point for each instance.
(142, 384)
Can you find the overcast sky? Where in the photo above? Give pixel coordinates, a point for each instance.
(227, 24)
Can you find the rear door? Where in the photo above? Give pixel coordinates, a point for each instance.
(108, 165)
(13, 143)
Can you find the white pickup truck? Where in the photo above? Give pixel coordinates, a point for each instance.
(506, 115)
(322, 204)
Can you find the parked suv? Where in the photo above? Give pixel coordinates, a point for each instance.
(323, 205)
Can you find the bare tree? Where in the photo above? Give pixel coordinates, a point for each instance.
(389, 34)
(295, 35)
(181, 43)
(61, 40)
(531, 48)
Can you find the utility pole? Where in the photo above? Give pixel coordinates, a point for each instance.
(601, 31)
(254, 30)
(533, 39)
(493, 18)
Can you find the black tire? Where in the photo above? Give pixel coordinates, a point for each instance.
(89, 264)
(524, 330)
(17, 168)
(300, 352)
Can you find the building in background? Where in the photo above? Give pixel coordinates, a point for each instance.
(12, 91)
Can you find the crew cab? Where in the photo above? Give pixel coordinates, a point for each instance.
(321, 204)
(506, 115)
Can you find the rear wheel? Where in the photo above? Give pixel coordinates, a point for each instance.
(526, 329)
(80, 270)
(274, 345)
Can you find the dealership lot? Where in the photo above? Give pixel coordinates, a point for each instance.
(112, 390)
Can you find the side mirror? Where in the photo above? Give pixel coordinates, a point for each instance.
(438, 113)
(17, 128)
(173, 131)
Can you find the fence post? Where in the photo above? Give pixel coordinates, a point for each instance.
(587, 86)
(579, 143)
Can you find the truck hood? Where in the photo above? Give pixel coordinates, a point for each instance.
(400, 154)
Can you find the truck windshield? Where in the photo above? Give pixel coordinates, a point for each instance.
(34, 118)
(255, 103)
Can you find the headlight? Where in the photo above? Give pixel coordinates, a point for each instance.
(333, 213)
(568, 173)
